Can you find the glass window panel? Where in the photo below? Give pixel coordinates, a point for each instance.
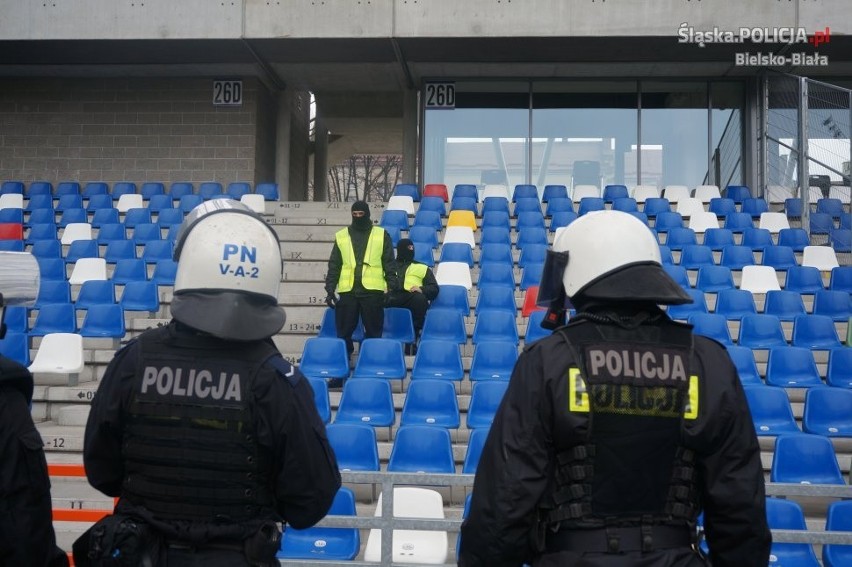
(674, 133)
(584, 133)
(726, 115)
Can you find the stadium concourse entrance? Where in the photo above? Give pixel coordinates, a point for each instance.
(600, 132)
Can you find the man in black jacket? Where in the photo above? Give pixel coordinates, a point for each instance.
(208, 436)
(418, 287)
(26, 522)
(360, 271)
(620, 428)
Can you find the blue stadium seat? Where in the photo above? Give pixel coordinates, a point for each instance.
(562, 218)
(795, 238)
(711, 325)
(839, 371)
(40, 188)
(821, 223)
(74, 215)
(722, 206)
(781, 258)
(531, 275)
(452, 297)
(435, 204)
(815, 332)
(802, 458)
(491, 205)
(463, 204)
(792, 367)
(146, 232)
(324, 357)
(589, 204)
(98, 202)
(743, 359)
(104, 321)
(140, 296)
(803, 279)
(655, 206)
(321, 400)
(422, 449)
(236, 189)
(793, 208)
(534, 329)
(16, 346)
(67, 188)
(833, 207)
(788, 515)
(737, 193)
(784, 304)
(95, 292)
(12, 188)
(841, 239)
(524, 205)
(51, 268)
(122, 188)
(437, 359)
(738, 222)
(433, 403)
(52, 291)
(444, 324)
(714, 278)
(268, 190)
(15, 318)
(368, 401)
(698, 305)
(103, 217)
(188, 202)
(695, 256)
(499, 219)
(736, 257)
(679, 274)
(474, 449)
(398, 325)
(164, 272)
(16, 216)
(485, 398)
(380, 358)
(554, 191)
(680, 237)
(328, 329)
(354, 445)
(496, 253)
(82, 249)
(838, 518)
(456, 252)
(173, 233)
(559, 205)
(129, 270)
(156, 250)
(210, 189)
(761, 332)
(757, 238)
(532, 254)
(755, 206)
(771, 411)
(180, 189)
(496, 273)
(466, 190)
(495, 326)
(531, 235)
(833, 303)
(493, 360)
(46, 249)
(613, 192)
(524, 191)
(528, 220)
(495, 235)
(718, 238)
(315, 543)
(428, 218)
(39, 202)
(625, 204)
(394, 218)
(496, 297)
(41, 231)
(136, 216)
(55, 318)
(828, 411)
(111, 231)
(667, 220)
(160, 203)
(423, 235)
(11, 245)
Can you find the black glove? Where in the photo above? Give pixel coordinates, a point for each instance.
(331, 300)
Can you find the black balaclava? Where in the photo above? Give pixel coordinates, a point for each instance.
(361, 223)
(405, 251)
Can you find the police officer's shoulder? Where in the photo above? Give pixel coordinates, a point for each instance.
(127, 347)
(284, 369)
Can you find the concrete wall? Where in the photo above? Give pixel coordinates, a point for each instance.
(132, 130)
(162, 19)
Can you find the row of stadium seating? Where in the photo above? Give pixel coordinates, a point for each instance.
(147, 190)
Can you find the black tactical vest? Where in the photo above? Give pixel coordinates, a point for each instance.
(636, 388)
(189, 446)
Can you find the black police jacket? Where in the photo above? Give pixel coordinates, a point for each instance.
(26, 523)
(533, 424)
(304, 476)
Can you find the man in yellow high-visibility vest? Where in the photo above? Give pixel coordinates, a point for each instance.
(419, 288)
(360, 271)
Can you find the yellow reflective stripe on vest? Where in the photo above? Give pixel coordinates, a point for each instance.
(372, 273)
(414, 276)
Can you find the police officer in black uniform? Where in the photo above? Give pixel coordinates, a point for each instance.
(620, 428)
(26, 522)
(208, 436)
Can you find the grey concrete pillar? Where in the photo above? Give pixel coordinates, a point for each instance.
(320, 159)
(282, 143)
(410, 117)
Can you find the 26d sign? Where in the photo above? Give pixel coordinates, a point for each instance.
(440, 96)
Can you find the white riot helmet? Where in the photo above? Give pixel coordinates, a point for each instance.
(609, 256)
(228, 273)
